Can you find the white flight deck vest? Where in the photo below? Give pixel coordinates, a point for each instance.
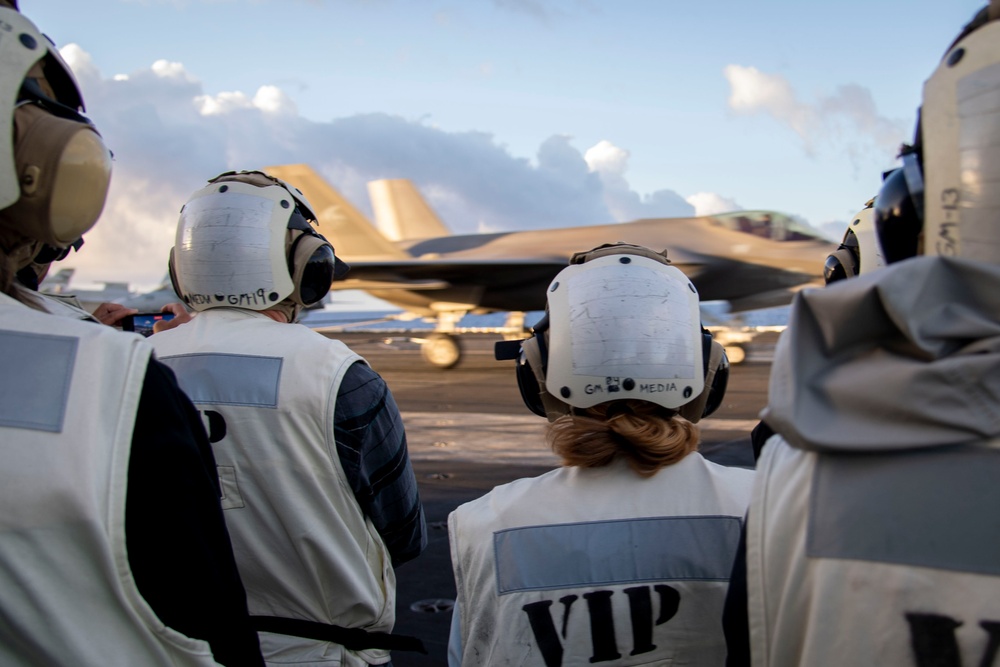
(875, 558)
(584, 566)
(303, 547)
(69, 391)
(62, 305)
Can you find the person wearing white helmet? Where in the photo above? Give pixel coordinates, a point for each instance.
(860, 251)
(872, 537)
(113, 549)
(623, 554)
(319, 494)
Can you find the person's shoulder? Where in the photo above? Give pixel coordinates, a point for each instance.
(308, 335)
(735, 473)
(501, 494)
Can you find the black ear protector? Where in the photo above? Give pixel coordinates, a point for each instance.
(532, 356)
(532, 365)
(715, 364)
(844, 262)
(311, 262)
(898, 211)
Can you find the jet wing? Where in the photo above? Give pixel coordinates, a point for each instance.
(459, 271)
(434, 274)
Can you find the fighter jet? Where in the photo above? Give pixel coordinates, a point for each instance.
(752, 259)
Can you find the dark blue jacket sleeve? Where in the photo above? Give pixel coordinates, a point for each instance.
(371, 444)
(735, 618)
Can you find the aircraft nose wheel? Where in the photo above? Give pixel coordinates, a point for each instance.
(441, 350)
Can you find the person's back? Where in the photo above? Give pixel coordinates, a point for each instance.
(63, 521)
(304, 547)
(623, 555)
(113, 550)
(872, 536)
(315, 543)
(875, 505)
(585, 565)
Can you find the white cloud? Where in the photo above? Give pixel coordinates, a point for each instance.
(273, 100)
(846, 118)
(78, 60)
(170, 136)
(605, 157)
(269, 99)
(610, 163)
(223, 103)
(171, 70)
(709, 203)
(753, 91)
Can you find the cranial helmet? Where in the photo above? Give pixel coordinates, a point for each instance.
(620, 323)
(945, 197)
(246, 241)
(54, 167)
(859, 251)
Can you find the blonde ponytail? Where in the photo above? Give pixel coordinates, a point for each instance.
(646, 435)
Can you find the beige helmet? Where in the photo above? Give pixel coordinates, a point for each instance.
(945, 198)
(54, 166)
(620, 323)
(246, 241)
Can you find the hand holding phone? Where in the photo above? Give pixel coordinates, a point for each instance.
(142, 323)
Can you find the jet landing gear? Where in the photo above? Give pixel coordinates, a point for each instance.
(441, 350)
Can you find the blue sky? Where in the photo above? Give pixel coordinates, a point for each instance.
(508, 114)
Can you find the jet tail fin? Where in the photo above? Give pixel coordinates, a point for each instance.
(401, 213)
(338, 221)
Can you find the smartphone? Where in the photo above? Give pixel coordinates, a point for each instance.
(142, 323)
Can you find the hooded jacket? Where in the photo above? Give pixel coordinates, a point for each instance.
(873, 536)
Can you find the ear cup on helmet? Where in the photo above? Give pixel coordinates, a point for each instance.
(311, 263)
(717, 379)
(532, 367)
(840, 265)
(716, 366)
(897, 222)
(63, 170)
(530, 378)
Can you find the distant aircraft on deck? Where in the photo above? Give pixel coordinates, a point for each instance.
(111, 292)
(752, 259)
(151, 301)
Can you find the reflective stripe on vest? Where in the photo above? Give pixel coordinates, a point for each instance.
(573, 555)
(228, 379)
(34, 386)
(912, 508)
